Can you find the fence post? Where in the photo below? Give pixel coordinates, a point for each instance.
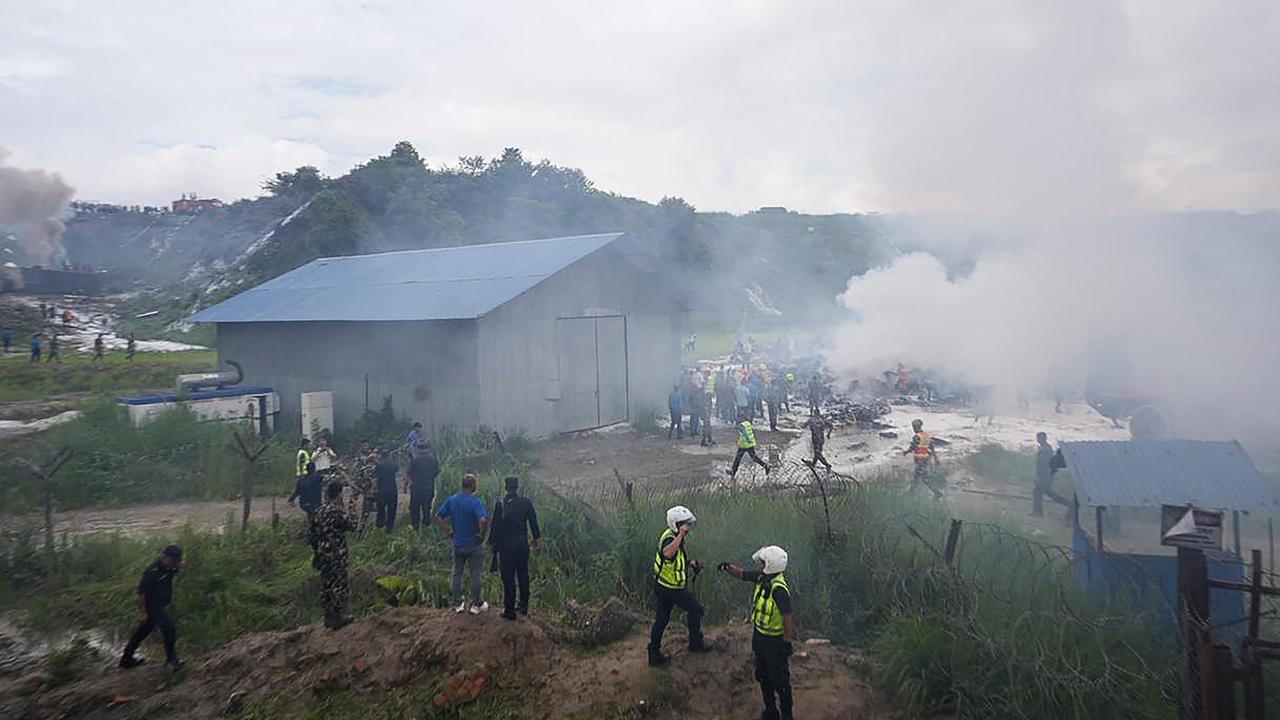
(1254, 704)
(1224, 699)
(953, 537)
(1193, 607)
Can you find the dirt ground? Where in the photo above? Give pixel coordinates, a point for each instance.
(288, 672)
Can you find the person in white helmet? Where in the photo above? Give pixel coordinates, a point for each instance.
(672, 572)
(771, 617)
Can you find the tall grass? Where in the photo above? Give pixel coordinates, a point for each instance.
(175, 456)
(1002, 632)
(77, 373)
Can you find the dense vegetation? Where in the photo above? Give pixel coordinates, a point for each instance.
(993, 635)
(787, 261)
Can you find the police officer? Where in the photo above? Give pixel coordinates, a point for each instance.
(671, 575)
(746, 446)
(514, 519)
(303, 457)
(771, 618)
(155, 592)
(307, 491)
(329, 530)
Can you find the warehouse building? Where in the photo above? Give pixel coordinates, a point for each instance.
(546, 336)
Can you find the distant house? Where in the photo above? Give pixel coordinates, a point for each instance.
(547, 336)
(194, 205)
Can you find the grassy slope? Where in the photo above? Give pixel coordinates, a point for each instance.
(23, 380)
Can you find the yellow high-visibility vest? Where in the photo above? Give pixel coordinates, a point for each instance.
(304, 457)
(765, 615)
(670, 573)
(746, 435)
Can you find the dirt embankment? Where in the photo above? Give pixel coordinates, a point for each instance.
(288, 673)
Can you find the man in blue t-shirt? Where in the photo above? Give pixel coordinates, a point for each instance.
(462, 518)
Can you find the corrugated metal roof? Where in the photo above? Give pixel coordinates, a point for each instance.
(434, 284)
(1148, 473)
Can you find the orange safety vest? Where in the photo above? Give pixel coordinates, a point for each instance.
(922, 446)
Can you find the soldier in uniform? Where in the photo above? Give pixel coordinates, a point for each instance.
(329, 530)
(362, 500)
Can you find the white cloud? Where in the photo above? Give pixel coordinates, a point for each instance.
(816, 105)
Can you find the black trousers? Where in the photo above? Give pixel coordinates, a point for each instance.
(664, 600)
(157, 617)
(773, 415)
(386, 509)
(818, 457)
(695, 419)
(737, 459)
(419, 507)
(773, 672)
(513, 563)
(675, 425)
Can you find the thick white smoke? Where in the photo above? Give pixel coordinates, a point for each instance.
(32, 203)
(1193, 316)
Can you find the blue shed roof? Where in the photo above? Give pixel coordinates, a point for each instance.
(1212, 475)
(435, 284)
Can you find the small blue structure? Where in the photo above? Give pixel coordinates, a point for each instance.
(1209, 475)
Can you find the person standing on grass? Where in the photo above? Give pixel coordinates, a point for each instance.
(385, 473)
(329, 530)
(324, 458)
(462, 518)
(672, 572)
(131, 348)
(155, 592)
(414, 439)
(424, 468)
(99, 348)
(307, 492)
(771, 620)
(513, 519)
(53, 349)
(35, 348)
(7, 335)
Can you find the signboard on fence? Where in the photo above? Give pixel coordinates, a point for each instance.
(1182, 526)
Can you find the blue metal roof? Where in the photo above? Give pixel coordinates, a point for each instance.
(237, 391)
(434, 284)
(1211, 475)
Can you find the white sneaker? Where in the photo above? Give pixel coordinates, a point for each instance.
(460, 608)
(477, 609)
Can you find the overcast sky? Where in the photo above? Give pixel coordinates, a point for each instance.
(818, 106)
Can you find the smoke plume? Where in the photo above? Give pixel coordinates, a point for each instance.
(1030, 179)
(32, 203)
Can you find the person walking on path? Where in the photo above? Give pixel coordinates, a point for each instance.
(819, 431)
(462, 517)
(514, 519)
(155, 593)
(746, 446)
(53, 349)
(35, 348)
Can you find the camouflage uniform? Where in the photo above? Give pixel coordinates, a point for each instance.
(328, 537)
(362, 500)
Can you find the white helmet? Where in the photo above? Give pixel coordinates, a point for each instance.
(773, 557)
(677, 515)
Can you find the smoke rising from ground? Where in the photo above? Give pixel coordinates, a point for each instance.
(1017, 139)
(32, 203)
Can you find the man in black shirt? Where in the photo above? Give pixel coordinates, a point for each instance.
(424, 468)
(155, 592)
(509, 539)
(307, 491)
(771, 618)
(388, 495)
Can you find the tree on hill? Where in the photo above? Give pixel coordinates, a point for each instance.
(306, 180)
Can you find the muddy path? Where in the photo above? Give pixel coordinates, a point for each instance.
(290, 673)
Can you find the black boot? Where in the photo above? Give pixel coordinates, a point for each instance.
(656, 658)
(128, 663)
(700, 646)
